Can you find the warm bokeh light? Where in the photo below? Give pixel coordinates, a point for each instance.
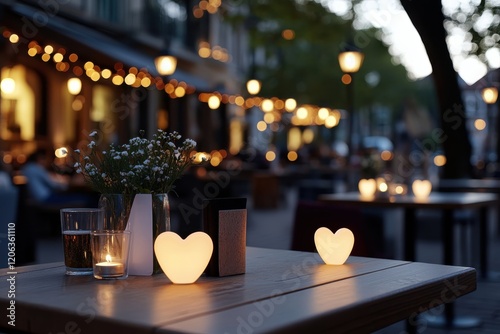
(117, 80)
(350, 61)
(261, 126)
(308, 136)
(267, 105)
(480, 124)
(290, 104)
(440, 160)
(386, 155)
(323, 113)
(382, 187)
(253, 86)
(331, 121)
(180, 91)
(74, 86)
(106, 73)
(292, 156)
(269, 118)
(8, 86)
(48, 49)
(213, 102)
(165, 65)
(288, 34)
(61, 152)
(302, 113)
(346, 79)
(294, 140)
(14, 38)
(489, 95)
(58, 57)
(270, 156)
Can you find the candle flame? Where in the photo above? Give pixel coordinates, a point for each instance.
(108, 258)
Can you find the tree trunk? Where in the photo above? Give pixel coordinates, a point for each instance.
(427, 17)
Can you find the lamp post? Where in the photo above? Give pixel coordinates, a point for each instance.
(350, 60)
(490, 96)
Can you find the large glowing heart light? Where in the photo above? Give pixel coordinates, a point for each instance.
(334, 248)
(367, 187)
(183, 260)
(421, 188)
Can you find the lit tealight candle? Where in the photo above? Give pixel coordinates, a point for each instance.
(109, 268)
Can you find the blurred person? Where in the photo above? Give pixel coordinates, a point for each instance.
(5, 178)
(45, 188)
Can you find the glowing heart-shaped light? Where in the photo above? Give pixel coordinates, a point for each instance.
(421, 188)
(367, 187)
(183, 260)
(334, 248)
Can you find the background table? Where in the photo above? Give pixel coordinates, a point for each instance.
(445, 202)
(282, 291)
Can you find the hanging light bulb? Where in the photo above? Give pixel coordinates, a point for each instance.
(74, 86)
(253, 86)
(165, 65)
(8, 86)
(213, 102)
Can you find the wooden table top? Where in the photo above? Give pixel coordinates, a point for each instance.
(437, 200)
(282, 291)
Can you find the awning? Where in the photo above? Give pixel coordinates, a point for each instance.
(80, 38)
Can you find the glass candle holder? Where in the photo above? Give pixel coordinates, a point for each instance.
(110, 250)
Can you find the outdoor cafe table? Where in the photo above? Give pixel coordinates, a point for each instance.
(281, 292)
(445, 202)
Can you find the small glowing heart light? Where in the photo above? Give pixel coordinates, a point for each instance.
(421, 188)
(334, 248)
(367, 187)
(183, 260)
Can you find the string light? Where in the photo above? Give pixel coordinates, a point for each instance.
(134, 77)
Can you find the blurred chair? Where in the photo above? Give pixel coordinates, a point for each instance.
(311, 215)
(8, 215)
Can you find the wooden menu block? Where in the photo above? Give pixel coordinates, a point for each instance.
(225, 220)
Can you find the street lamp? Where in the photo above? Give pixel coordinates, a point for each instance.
(490, 96)
(350, 60)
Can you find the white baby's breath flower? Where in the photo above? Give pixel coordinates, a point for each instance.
(91, 144)
(77, 151)
(93, 134)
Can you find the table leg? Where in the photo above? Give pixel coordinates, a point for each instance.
(410, 234)
(483, 242)
(410, 229)
(450, 320)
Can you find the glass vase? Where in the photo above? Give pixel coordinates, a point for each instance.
(117, 209)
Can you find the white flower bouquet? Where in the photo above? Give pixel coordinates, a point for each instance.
(140, 166)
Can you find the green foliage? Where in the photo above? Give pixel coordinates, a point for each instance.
(481, 22)
(306, 67)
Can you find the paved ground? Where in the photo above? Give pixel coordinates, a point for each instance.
(272, 228)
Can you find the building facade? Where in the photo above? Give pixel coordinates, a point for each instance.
(69, 67)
